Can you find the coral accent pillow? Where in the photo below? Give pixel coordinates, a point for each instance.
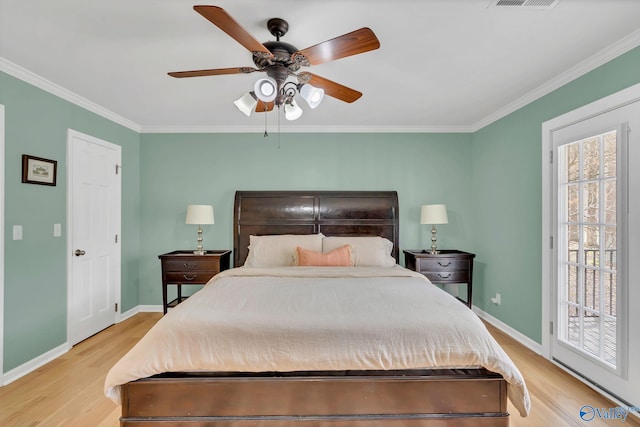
(339, 257)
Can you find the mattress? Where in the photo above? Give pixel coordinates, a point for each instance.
(317, 319)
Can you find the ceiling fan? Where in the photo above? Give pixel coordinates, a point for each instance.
(280, 60)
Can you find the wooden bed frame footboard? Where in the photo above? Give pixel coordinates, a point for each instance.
(407, 398)
(416, 398)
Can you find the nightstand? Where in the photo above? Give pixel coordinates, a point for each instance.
(185, 268)
(445, 267)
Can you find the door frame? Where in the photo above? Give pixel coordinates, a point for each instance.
(2, 244)
(596, 108)
(71, 134)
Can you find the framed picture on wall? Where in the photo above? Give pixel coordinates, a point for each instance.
(36, 170)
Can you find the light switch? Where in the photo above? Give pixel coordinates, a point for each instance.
(17, 232)
(57, 230)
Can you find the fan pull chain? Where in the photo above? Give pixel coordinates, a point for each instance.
(278, 127)
(265, 121)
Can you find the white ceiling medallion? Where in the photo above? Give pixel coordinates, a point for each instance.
(525, 4)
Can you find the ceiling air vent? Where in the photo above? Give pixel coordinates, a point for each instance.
(526, 4)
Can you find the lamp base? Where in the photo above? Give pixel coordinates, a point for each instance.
(199, 249)
(430, 251)
(434, 249)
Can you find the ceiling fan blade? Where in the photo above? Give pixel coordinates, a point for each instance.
(226, 23)
(331, 88)
(264, 107)
(213, 72)
(353, 43)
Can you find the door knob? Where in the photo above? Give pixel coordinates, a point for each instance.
(79, 252)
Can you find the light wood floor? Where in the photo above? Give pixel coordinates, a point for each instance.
(68, 391)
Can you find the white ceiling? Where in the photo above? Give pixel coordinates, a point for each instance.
(450, 65)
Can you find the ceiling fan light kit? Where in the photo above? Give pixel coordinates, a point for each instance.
(281, 61)
(292, 111)
(266, 89)
(247, 102)
(313, 95)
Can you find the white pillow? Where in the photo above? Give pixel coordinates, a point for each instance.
(280, 250)
(365, 251)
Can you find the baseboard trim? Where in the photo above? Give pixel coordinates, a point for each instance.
(129, 313)
(35, 363)
(516, 335)
(150, 308)
(140, 309)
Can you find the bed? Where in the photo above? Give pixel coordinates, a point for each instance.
(317, 346)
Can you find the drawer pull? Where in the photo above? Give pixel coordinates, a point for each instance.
(444, 265)
(195, 276)
(190, 266)
(444, 276)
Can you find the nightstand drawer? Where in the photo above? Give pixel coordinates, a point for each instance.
(192, 264)
(445, 267)
(196, 277)
(186, 268)
(443, 264)
(456, 276)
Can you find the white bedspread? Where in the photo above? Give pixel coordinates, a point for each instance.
(317, 318)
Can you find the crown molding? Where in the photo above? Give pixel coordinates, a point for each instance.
(605, 55)
(602, 57)
(57, 90)
(306, 129)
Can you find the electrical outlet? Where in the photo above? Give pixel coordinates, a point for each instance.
(496, 299)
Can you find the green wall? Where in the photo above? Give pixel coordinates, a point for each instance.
(490, 181)
(180, 169)
(36, 123)
(507, 195)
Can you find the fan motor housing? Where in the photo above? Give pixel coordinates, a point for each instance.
(281, 55)
(281, 51)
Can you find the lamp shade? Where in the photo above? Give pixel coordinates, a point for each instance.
(199, 214)
(292, 111)
(312, 95)
(266, 89)
(433, 214)
(247, 103)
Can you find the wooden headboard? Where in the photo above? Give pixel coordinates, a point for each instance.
(333, 213)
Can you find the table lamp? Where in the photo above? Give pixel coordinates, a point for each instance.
(199, 214)
(433, 214)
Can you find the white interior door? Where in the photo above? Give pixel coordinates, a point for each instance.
(94, 227)
(594, 332)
